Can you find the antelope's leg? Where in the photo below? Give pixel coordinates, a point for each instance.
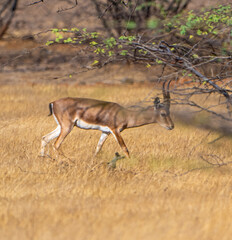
(121, 142)
(47, 138)
(102, 139)
(63, 134)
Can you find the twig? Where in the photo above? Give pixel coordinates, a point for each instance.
(202, 140)
(25, 171)
(66, 9)
(216, 139)
(33, 3)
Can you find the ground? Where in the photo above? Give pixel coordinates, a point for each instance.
(165, 190)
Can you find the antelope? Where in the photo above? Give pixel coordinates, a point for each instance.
(108, 117)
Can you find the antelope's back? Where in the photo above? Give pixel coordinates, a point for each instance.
(90, 110)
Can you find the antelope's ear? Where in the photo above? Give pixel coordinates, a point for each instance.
(156, 102)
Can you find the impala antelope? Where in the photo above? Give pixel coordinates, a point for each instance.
(108, 117)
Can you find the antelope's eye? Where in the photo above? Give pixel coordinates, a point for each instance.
(163, 114)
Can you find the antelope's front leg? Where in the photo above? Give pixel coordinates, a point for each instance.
(121, 142)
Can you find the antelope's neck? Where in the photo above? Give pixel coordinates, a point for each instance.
(141, 117)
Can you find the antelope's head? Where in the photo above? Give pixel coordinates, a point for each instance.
(163, 109)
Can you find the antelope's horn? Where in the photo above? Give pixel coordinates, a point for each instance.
(166, 94)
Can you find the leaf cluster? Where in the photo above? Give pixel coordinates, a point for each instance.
(213, 22)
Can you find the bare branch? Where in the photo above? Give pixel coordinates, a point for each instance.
(66, 9)
(33, 3)
(6, 19)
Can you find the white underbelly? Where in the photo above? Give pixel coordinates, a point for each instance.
(84, 125)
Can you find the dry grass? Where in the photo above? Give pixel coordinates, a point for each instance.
(150, 196)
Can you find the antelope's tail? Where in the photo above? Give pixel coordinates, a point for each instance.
(50, 109)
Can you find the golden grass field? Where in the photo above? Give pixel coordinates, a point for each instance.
(164, 191)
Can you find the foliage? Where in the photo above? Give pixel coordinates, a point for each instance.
(212, 22)
(98, 43)
(193, 28)
(194, 43)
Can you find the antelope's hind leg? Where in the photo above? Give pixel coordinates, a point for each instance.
(47, 138)
(102, 139)
(65, 130)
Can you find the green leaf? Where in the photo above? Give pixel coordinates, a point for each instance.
(110, 42)
(215, 32)
(54, 30)
(98, 50)
(131, 38)
(123, 52)
(159, 61)
(152, 23)
(59, 36)
(110, 53)
(93, 43)
(94, 35)
(94, 62)
(68, 40)
(131, 25)
(49, 43)
(74, 29)
(183, 29)
(199, 32)
(122, 37)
